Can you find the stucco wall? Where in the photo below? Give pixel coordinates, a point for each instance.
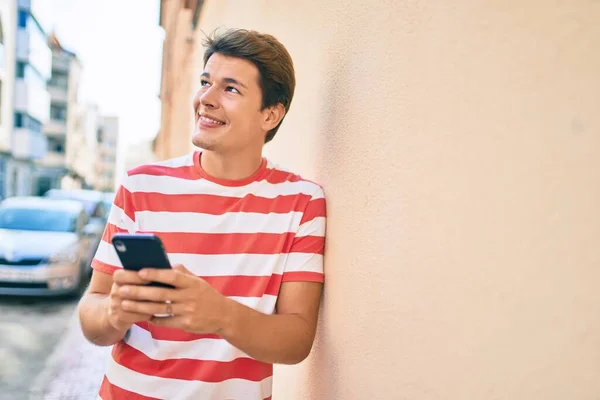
(458, 143)
(178, 79)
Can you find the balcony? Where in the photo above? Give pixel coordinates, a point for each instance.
(54, 159)
(61, 62)
(55, 128)
(32, 99)
(32, 47)
(58, 94)
(27, 144)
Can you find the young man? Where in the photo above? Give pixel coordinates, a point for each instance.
(245, 237)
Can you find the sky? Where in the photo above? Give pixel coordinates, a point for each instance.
(119, 44)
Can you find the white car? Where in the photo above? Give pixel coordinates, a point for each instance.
(95, 206)
(44, 245)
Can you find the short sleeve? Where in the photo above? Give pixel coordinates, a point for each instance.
(305, 259)
(121, 219)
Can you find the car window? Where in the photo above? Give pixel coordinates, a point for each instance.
(28, 219)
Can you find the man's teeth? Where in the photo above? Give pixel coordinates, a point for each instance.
(210, 120)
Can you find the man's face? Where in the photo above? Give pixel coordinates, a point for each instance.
(228, 114)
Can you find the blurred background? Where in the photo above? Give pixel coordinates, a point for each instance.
(458, 144)
(79, 105)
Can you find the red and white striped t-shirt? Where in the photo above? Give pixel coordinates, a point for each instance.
(243, 237)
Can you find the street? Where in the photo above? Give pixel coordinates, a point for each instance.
(30, 328)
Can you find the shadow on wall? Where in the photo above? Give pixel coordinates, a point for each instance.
(323, 377)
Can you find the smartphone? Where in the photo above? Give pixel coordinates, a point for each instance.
(138, 251)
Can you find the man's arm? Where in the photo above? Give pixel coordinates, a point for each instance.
(102, 321)
(287, 337)
(283, 338)
(92, 312)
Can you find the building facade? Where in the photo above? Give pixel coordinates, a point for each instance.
(457, 143)
(31, 101)
(63, 88)
(138, 154)
(26, 108)
(108, 140)
(82, 148)
(8, 32)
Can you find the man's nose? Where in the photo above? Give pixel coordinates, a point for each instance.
(208, 98)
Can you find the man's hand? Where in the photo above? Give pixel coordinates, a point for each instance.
(195, 306)
(119, 318)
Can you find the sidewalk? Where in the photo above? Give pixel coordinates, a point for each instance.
(75, 369)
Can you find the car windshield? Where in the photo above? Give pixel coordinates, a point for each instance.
(29, 219)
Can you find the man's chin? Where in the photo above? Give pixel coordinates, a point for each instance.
(202, 142)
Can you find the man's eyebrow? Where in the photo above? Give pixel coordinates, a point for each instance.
(227, 80)
(234, 81)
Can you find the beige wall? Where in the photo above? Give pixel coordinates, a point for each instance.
(176, 92)
(458, 146)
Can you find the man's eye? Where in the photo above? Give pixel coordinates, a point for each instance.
(204, 83)
(232, 89)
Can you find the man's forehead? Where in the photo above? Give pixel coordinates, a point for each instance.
(219, 66)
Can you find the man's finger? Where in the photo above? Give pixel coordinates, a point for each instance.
(131, 318)
(180, 267)
(151, 308)
(124, 277)
(172, 276)
(149, 293)
(176, 322)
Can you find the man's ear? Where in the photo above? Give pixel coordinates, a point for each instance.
(273, 116)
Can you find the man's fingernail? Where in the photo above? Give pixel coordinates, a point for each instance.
(124, 290)
(143, 273)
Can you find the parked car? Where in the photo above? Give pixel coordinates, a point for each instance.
(44, 245)
(109, 198)
(94, 205)
(93, 201)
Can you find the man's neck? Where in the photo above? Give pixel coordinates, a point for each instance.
(231, 166)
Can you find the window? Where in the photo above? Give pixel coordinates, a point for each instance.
(20, 69)
(18, 120)
(59, 79)
(56, 145)
(32, 124)
(58, 112)
(27, 122)
(23, 15)
(29, 219)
